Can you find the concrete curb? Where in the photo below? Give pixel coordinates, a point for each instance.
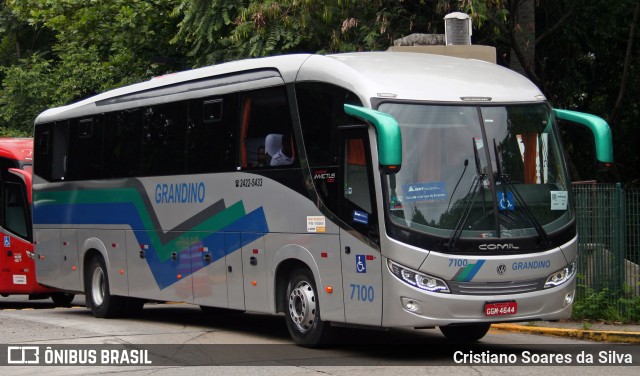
(593, 335)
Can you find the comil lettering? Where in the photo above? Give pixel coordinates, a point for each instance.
(180, 193)
(497, 247)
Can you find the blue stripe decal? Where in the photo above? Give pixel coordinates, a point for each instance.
(251, 226)
(474, 271)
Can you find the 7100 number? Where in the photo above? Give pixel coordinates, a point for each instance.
(362, 293)
(457, 263)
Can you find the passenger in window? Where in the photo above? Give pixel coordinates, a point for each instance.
(284, 156)
(262, 158)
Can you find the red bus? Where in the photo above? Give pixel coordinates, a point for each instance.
(17, 266)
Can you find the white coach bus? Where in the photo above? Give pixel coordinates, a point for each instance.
(379, 189)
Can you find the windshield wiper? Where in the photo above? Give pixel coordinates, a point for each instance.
(506, 180)
(478, 182)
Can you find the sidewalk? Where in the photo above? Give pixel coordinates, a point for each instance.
(579, 330)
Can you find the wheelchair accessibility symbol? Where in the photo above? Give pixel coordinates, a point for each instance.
(506, 202)
(361, 264)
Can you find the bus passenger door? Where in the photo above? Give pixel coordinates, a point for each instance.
(16, 261)
(361, 261)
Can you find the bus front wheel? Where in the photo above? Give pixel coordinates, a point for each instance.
(99, 298)
(302, 311)
(465, 333)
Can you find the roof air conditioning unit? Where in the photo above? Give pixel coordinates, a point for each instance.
(457, 29)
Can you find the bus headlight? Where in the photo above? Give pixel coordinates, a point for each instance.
(417, 279)
(561, 276)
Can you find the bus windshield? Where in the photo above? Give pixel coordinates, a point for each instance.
(477, 172)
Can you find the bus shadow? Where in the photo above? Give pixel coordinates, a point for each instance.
(274, 326)
(352, 346)
(31, 304)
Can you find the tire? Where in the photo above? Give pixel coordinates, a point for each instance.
(465, 333)
(99, 298)
(302, 310)
(62, 299)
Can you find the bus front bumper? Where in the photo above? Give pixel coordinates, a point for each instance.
(407, 306)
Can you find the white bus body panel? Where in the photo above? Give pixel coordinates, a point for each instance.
(362, 276)
(49, 257)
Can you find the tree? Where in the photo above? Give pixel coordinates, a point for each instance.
(222, 30)
(587, 65)
(98, 45)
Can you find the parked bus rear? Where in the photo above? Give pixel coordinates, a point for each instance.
(17, 273)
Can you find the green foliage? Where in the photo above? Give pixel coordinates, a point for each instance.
(605, 305)
(581, 66)
(98, 45)
(596, 306)
(222, 30)
(27, 90)
(580, 46)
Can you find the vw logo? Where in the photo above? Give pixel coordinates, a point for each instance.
(501, 269)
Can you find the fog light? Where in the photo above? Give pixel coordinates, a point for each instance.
(568, 299)
(411, 305)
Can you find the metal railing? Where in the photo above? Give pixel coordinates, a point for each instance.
(608, 224)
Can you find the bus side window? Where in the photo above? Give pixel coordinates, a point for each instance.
(211, 134)
(321, 111)
(265, 125)
(85, 149)
(15, 205)
(164, 139)
(122, 143)
(357, 207)
(51, 150)
(356, 187)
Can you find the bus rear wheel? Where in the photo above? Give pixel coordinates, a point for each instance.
(465, 333)
(302, 310)
(99, 298)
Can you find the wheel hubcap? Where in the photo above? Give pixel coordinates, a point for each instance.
(97, 286)
(302, 306)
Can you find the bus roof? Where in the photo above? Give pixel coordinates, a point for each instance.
(397, 75)
(420, 76)
(19, 149)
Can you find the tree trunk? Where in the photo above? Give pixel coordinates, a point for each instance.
(613, 118)
(523, 53)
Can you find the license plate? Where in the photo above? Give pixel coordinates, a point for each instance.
(500, 308)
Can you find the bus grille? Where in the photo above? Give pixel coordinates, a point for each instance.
(496, 288)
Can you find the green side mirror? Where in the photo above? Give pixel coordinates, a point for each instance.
(389, 136)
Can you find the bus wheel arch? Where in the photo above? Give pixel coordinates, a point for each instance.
(96, 286)
(300, 298)
(283, 271)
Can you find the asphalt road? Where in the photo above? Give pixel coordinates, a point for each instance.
(181, 339)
